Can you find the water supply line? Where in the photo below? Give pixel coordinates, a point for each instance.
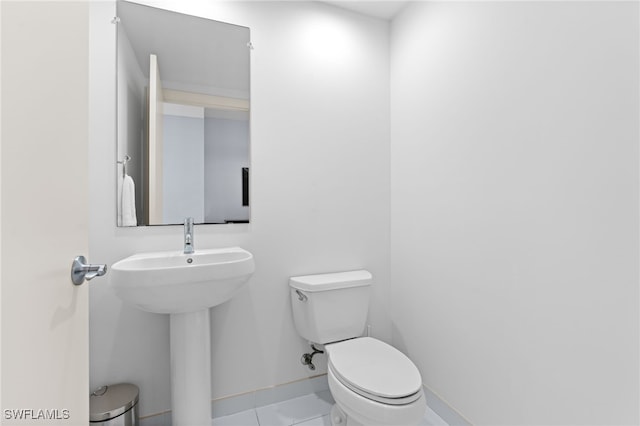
(307, 359)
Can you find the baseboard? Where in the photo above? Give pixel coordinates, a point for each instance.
(267, 396)
(258, 398)
(158, 419)
(443, 409)
(274, 394)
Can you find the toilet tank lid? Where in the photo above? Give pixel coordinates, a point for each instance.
(332, 281)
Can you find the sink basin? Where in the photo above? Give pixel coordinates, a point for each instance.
(173, 282)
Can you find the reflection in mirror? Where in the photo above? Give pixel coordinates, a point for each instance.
(183, 118)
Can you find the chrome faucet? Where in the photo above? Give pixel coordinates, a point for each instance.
(188, 235)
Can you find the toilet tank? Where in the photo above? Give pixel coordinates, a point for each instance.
(330, 307)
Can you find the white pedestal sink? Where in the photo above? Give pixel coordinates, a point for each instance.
(185, 286)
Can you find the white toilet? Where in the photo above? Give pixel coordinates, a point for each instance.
(372, 383)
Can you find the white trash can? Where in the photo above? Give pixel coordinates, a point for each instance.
(115, 405)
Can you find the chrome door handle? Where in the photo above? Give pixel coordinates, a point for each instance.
(81, 270)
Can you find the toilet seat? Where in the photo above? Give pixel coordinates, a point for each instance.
(375, 370)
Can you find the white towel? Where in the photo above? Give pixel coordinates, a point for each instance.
(128, 202)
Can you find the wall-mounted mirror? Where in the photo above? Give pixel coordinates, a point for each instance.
(183, 118)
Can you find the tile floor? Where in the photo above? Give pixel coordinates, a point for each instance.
(308, 410)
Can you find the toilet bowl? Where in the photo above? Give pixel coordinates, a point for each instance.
(373, 383)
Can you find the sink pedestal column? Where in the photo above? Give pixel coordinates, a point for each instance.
(191, 368)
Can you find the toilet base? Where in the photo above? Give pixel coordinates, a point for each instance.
(340, 418)
(352, 409)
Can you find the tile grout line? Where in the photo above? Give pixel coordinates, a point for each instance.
(255, 413)
(315, 419)
(308, 420)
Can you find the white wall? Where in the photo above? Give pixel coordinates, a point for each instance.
(131, 118)
(320, 195)
(183, 167)
(514, 162)
(226, 152)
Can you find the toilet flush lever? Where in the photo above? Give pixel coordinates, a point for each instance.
(301, 296)
(81, 270)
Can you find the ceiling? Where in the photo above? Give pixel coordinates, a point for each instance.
(383, 9)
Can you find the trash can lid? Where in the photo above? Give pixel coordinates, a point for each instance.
(111, 401)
